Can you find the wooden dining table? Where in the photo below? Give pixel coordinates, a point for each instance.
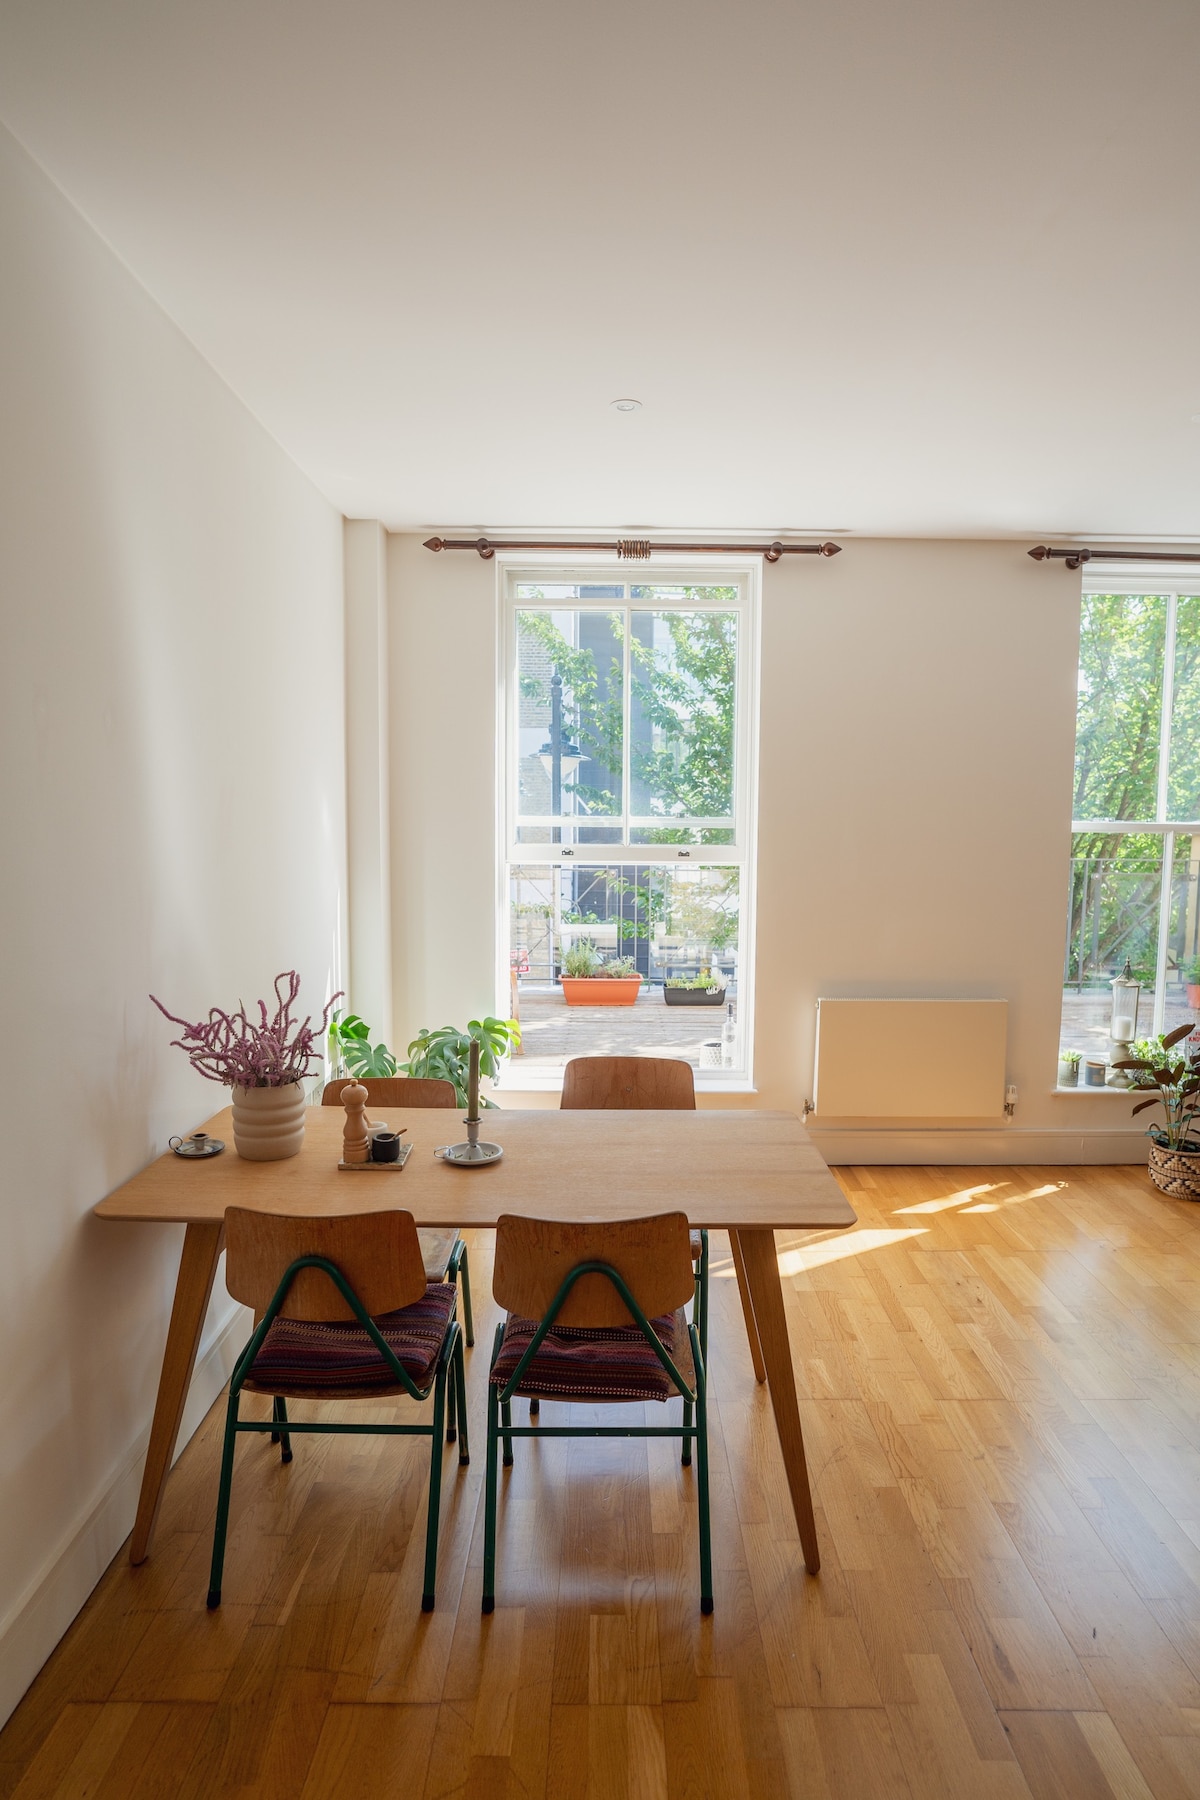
(749, 1173)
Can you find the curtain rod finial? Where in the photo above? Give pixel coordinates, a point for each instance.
(1040, 552)
(829, 549)
(434, 544)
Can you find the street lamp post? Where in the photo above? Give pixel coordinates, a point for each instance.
(558, 757)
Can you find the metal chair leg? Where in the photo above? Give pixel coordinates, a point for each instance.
(435, 1490)
(281, 1437)
(686, 1453)
(489, 1503)
(460, 1383)
(468, 1321)
(223, 1493)
(506, 1416)
(702, 1495)
(452, 1410)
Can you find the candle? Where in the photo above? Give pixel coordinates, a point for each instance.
(473, 1082)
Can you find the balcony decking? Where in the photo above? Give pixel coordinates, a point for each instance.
(553, 1032)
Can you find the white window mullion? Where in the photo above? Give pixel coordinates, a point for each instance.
(627, 724)
(1162, 808)
(1164, 929)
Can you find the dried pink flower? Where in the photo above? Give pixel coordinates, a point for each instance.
(231, 1049)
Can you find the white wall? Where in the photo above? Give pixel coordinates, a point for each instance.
(918, 711)
(172, 819)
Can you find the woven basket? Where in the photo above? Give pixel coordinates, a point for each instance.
(1176, 1172)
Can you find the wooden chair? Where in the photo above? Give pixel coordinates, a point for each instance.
(444, 1252)
(659, 1084)
(594, 1313)
(344, 1312)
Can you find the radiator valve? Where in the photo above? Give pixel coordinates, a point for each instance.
(1010, 1101)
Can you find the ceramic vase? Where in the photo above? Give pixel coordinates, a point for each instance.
(268, 1122)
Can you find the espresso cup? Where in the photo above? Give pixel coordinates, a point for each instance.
(385, 1147)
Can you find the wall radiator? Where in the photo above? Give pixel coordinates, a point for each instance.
(910, 1059)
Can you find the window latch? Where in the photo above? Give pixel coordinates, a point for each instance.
(684, 853)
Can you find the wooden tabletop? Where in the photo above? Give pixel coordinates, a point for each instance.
(742, 1169)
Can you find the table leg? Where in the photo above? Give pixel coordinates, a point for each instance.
(739, 1264)
(762, 1270)
(202, 1245)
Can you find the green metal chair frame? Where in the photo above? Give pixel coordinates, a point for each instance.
(449, 1360)
(500, 1425)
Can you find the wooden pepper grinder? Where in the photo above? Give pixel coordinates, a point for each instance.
(356, 1141)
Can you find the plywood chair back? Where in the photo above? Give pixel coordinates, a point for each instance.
(395, 1090)
(629, 1083)
(534, 1257)
(378, 1253)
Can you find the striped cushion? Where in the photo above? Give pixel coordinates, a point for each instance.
(339, 1361)
(615, 1363)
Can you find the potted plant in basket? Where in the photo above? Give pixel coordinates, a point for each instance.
(704, 989)
(1068, 1067)
(587, 981)
(263, 1062)
(1174, 1152)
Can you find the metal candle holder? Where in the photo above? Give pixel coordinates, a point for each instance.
(472, 1153)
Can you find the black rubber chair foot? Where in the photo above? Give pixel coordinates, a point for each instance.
(470, 1343)
(214, 1599)
(463, 1460)
(506, 1462)
(489, 1603)
(706, 1606)
(286, 1456)
(451, 1435)
(426, 1602)
(535, 1407)
(686, 1462)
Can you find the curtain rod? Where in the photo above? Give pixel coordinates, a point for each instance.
(630, 549)
(1075, 558)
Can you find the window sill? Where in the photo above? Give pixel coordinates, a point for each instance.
(552, 1084)
(1093, 1093)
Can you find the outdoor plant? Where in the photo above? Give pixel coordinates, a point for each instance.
(1073, 1057)
(618, 968)
(581, 961)
(705, 980)
(1177, 1091)
(1191, 971)
(351, 1039)
(240, 1052)
(444, 1054)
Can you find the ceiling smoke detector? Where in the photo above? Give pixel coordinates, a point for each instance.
(626, 405)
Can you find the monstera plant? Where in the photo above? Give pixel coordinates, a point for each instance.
(445, 1054)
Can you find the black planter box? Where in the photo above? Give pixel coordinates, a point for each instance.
(694, 996)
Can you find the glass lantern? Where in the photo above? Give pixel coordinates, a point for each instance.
(1125, 994)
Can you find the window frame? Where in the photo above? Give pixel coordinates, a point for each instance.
(742, 573)
(1126, 578)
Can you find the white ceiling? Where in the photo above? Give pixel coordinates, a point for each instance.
(893, 268)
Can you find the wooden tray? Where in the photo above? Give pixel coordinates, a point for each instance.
(375, 1168)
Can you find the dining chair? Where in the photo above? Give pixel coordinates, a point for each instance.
(594, 1313)
(444, 1251)
(344, 1312)
(659, 1084)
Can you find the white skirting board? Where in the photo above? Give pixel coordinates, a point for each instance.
(910, 1059)
(60, 1587)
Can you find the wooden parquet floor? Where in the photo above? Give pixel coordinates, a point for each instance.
(1001, 1371)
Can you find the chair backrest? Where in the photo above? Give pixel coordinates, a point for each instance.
(395, 1090)
(378, 1253)
(631, 1083)
(534, 1256)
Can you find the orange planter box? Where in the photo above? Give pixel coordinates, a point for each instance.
(603, 990)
